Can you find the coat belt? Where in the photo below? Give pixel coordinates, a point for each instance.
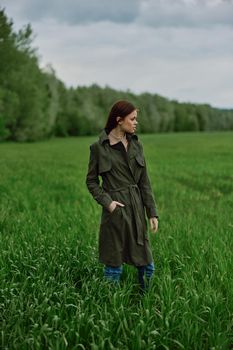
(138, 215)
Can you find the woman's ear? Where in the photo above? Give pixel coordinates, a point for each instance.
(119, 120)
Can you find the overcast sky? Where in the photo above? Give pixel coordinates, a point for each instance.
(180, 49)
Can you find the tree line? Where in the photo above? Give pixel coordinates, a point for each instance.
(35, 104)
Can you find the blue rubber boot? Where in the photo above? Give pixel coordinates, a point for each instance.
(149, 271)
(113, 273)
(145, 274)
(141, 271)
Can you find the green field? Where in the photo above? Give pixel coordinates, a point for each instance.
(52, 295)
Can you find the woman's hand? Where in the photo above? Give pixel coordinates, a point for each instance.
(153, 224)
(113, 205)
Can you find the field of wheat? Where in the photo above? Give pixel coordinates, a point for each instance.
(52, 293)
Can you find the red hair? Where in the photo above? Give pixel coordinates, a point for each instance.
(120, 109)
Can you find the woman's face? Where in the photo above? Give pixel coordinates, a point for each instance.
(129, 123)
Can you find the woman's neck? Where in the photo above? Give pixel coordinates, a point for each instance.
(115, 137)
(118, 133)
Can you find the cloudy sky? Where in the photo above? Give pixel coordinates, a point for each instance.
(181, 49)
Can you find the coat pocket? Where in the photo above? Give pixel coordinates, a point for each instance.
(107, 215)
(115, 210)
(140, 160)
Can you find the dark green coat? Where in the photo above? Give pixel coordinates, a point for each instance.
(123, 236)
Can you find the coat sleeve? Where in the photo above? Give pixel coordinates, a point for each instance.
(147, 193)
(93, 183)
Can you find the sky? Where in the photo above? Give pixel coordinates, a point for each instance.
(180, 49)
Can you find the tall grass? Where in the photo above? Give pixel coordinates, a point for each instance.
(52, 294)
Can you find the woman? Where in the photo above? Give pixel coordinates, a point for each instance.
(124, 195)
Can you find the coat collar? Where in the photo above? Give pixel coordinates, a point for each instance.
(103, 136)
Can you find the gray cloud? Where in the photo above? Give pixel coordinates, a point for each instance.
(180, 63)
(183, 54)
(186, 13)
(159, 13)
(77, 11)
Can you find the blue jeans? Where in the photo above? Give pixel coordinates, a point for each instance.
(148, 271)
(113, 273)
